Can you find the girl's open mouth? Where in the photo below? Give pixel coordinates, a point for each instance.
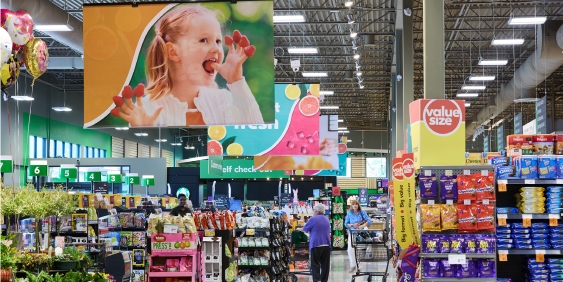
(207, 66)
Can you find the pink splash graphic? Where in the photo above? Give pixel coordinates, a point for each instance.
(301, 138)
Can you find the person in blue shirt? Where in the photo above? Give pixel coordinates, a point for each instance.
(356, 218)
(318, 227)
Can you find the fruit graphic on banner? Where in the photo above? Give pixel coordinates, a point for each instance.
(295, 132)
(434, 122)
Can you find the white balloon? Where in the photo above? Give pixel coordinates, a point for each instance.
(5, 46)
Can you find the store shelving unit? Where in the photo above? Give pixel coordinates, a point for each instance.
(211, 260)
(438, 171)
(332, 221)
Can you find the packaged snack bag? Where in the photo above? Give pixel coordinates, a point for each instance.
(427, 186)
(470, 244)
(449, 217)
(457, 242)
(466, 270)
(445, 244)
(446, 269)
(485, 217)
(485, 188)
(430, 217)
(448, 188)
(430, 244)
(431, 268)
(465, 188)
(486, 268)
(467, 218)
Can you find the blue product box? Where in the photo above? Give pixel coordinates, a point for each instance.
(527, 166)
(559, 167)
(547, 165)
(504, 172)
(500, 161)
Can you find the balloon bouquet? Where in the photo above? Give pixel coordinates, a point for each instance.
(18, 47)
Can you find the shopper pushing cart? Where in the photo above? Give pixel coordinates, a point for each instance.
(319, 229)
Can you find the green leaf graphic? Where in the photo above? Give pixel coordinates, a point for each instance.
(228, 142)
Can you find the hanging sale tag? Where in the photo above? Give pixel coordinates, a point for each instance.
(502, 255)
(527, 220)
(502, 219)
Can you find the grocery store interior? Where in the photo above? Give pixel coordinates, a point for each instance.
(281, 141)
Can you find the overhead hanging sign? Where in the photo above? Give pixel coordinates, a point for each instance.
(6, 164)
(530, 127)
(295, 131)
(238, 168)
(215, 165)
(500, 137)
(486, 143)
(541, 115)
(518, 124)
(403, 195)
(219, 70)
(339, 172)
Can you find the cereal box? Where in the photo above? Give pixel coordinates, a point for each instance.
(544, 144)
(473, 158)
(487, 156)
(547, 165)
(519, 144)
(438, 132)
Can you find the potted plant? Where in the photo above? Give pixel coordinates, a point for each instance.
(8, 252)
(64, 262)
(35, 262)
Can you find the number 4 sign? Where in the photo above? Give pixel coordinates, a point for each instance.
(93, 176)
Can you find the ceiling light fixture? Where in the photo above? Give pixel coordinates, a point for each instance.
(493, 62)
(176, 144)
(527, 20)
(526, 100)
(23, 98)
(289, 19)
(356, 56)
(517, 41)
(349, 3)
(340, 120)
(351, 19)
(353, 34)
(122, 128)
(141, 134)
(160, 140)
(342, 128)
(468, 104)
(315, 74)
(61, 109)
(304, 50)
(482, 78)
(473, 87)
(326, 92)
(359, 73)
(329, 107)
(343, 131)
(461, 95)
(349, 141)
(361, 86)
(53, 27)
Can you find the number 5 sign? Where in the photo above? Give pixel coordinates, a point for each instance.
(68, 171)
(37, 168)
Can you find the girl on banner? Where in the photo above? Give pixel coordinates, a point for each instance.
(182, 63)
(356, 218)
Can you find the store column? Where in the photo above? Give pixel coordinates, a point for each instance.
(433, 44)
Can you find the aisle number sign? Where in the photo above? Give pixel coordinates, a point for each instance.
(132, 179)
(93, 176)
(6, 164)
(37, 168)
(148, 180)
(114, 177)
(68, 171)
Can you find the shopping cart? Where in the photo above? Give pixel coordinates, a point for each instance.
(299, 255)
(372, 247)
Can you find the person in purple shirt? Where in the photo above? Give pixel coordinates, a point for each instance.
(318, 227)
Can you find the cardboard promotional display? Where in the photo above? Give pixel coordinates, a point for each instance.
(178, 65)
(403, 198)
(438, 132)
(295, 131)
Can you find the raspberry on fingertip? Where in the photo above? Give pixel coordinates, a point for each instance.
(127, 92)
(139, 91)
(115, 112)
(228, 40)
(118, 101)
(249, 50)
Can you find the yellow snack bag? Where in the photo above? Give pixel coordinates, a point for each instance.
(449, 217)
(430, 217)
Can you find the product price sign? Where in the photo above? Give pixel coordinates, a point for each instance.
(554, 219)
(503, 255)
(68, 171)
(38, 168)
(457, 259)
(6, 164)
(518, 129)
(540, 255)
(147, 180)
(93, 176)
(541, 115)
(502, 219)
(114, 178)
(526, 220)
(132, 179)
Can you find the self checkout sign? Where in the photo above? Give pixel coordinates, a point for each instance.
(132, 179)
(37, 168)
(114, 177)
(68, 171)
(6, 164)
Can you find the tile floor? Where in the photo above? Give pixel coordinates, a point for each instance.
(340, 268)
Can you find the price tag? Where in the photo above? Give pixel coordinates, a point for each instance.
(466, 172)
(209, 232)
(250, 231)
(457, 259)
(503, 255)
(450, 202)
(484, 172)
(558, 181)
(502, 185)
(540, 255)
(529, 181)
(502, 219)
(427, 172)
(431, 202)
(449, 172)
(467, 202)
(485, 201)
(526, 220)
(553, 219)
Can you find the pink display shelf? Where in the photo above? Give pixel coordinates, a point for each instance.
(171, 274)
(174, 246)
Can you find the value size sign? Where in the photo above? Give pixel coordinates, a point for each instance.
(38, 168)
(6, 164)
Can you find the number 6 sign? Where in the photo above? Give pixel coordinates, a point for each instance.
(37, 168)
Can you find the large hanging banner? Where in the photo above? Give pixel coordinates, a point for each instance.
(330, 172)
(294, 132)
(404, 201)
(178, 65)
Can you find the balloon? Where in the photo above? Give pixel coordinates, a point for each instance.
(10, 71)
(5, 46)
(19, 25)
(36, 57)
